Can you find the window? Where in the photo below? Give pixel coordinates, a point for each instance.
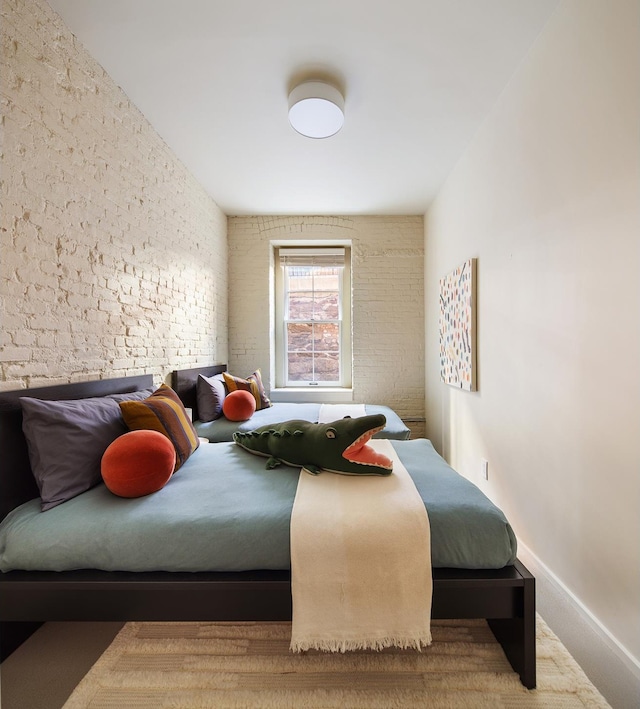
(313, 317)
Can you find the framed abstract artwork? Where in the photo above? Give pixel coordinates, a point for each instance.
(458, 326)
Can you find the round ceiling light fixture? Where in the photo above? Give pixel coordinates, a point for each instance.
(316, 109)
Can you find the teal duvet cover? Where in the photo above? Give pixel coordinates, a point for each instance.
(223, 511)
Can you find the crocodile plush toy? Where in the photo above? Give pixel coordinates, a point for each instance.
(337, 447)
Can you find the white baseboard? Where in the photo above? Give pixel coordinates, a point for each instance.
(607, 663)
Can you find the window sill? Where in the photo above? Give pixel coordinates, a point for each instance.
(324, 395)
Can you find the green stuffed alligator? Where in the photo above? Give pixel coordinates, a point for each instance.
(337, 447)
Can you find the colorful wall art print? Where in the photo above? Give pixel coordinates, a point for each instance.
(458, 327)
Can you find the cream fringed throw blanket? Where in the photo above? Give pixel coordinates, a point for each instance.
(360, 561)
(333, 412)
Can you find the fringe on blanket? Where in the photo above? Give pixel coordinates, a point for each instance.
(333, 645)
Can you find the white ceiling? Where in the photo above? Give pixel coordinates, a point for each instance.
(213, 77)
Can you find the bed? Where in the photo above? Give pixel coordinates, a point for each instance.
(177, 591)
(184, 383)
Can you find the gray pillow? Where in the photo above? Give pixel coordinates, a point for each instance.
(66, 441)
(210, 392)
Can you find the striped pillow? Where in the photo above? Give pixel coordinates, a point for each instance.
(252, 384)
(163, 411)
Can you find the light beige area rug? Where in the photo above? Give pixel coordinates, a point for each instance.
(248, 665)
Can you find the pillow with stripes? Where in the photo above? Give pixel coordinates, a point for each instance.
(252, 384)
(163, 412)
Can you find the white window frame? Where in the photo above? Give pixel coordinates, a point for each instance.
(306, 250)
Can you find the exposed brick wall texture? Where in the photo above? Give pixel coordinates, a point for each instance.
(113, 257)
(388, 301)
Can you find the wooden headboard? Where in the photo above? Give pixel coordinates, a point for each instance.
(17, 484)
(183, 382)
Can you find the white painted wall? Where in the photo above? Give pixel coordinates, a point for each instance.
(113, 258)
(547, 197)
(388, 301)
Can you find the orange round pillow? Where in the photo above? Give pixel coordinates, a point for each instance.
(138, 463)
(239, 405)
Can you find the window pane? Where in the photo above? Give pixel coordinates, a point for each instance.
(327, 305)
(300, 277)
(300, 306)
(313, 306)
(327, 367)
(300, 366)
(299, 337)
(326, 279)
(308, 367)
(326, 337)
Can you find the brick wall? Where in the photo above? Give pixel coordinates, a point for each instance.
(388, 301)
(113, 258)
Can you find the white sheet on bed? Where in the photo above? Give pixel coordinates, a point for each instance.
(333, 412)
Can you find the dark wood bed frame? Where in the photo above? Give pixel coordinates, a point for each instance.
(505, 597)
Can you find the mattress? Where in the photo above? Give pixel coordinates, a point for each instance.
(222, 429)
(224, 511)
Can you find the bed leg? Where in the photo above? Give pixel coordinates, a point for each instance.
(13, 634)
(517, 635)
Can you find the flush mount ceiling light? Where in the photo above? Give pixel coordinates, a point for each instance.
(316, 109)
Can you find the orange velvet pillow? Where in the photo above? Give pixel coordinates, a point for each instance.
(253, 383)
(164, 412)
(138, 463)
(239, 405)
